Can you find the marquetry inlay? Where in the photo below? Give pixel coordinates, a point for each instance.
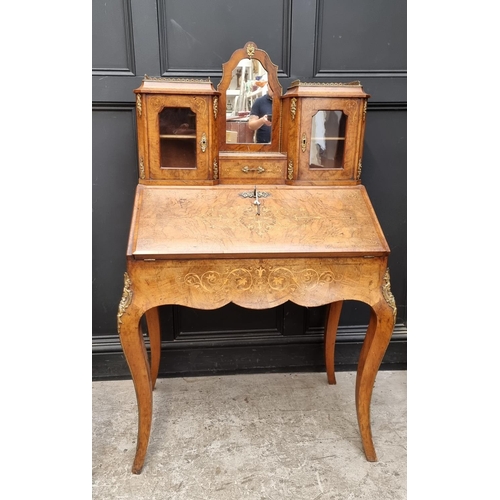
(157, 103)
(300, 218)
(258, 225)
(265, 278)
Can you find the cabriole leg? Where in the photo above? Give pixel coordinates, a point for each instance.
(153, 321)
(134, 349)
(331, 325)
(377, 339)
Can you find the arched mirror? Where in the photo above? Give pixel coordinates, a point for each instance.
(249, 104)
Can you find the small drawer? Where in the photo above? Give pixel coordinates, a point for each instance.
(258, 167)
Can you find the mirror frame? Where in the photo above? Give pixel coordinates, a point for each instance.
(250, 51)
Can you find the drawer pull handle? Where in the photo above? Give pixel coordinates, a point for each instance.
(259, 170)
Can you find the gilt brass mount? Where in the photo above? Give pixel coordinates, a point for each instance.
(247, 169)
(251, 194)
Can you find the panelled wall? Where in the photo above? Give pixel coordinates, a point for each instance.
(310, 40)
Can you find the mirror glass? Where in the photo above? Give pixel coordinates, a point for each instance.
(248, 98)
(327, 139)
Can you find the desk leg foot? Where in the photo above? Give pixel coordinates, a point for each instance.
(135, 353)
(331, 325)
(375, 344)
(153, 321)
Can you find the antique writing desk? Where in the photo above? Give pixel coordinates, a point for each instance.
(257, 225)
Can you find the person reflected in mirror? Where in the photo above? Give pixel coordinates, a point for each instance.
(260, 118)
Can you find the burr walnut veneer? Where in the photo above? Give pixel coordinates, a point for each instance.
(256, 226)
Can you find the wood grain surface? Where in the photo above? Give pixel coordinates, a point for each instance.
(195, 222)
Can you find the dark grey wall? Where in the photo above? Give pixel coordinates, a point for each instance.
(334, 40)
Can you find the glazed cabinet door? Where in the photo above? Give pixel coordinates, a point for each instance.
(179, 139)
(330, 138)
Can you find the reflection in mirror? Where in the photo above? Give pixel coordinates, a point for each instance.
(247, 76)
(247, 95)
(327, 139)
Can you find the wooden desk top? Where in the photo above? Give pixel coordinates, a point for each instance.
(176, 222)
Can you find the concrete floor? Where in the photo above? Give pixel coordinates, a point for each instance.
(265, 436)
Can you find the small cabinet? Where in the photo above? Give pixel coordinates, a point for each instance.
(177, 131)
(323, 131)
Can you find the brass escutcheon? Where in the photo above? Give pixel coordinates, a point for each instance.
(203, 142)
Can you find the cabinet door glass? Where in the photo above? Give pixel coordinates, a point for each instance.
(177, 138)
(327, 139)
